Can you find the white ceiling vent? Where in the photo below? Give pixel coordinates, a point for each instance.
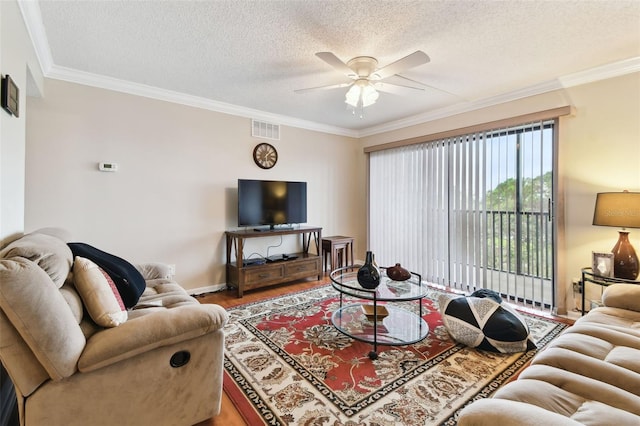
(262, 129)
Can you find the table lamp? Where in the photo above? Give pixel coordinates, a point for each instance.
(622, 210)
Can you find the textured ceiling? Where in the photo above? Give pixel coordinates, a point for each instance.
(254, 54)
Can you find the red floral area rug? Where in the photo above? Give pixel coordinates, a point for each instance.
(286, 364)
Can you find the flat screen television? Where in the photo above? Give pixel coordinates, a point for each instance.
(271, 202)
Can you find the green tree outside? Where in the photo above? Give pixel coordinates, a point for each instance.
(504, 247)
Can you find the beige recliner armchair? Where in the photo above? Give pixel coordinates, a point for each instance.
(161, 366)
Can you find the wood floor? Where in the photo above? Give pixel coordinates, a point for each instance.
(229, 415)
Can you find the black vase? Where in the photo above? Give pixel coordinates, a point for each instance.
(369, 274)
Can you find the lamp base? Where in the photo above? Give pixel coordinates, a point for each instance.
(625, 260)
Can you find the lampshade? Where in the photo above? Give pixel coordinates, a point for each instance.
(622, 210)
(353, 96)
(619, 209)
(369, 95)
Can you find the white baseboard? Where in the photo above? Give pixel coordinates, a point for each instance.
(207, 289)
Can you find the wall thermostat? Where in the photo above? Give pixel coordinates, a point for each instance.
(108, 167)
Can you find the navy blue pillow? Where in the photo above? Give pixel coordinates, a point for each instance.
(127, 278)
(485, 292)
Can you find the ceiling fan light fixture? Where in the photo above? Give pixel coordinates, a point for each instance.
(353, 96)
(365, 72)
(369, 95)
(362, 94)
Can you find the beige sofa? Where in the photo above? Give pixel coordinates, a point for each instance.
(589, 375)
(161, 366)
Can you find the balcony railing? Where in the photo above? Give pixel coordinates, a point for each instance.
(520, 243)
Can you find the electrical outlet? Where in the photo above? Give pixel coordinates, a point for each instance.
(172, 269)
(577, 286)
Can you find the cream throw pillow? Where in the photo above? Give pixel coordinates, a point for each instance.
(99, 293)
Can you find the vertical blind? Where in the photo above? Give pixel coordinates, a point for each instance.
(469, 211)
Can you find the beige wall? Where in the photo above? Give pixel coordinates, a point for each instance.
(17, 59)
(175, 192)
(599, 150)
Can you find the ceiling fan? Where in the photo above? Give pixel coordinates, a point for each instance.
(367, 79)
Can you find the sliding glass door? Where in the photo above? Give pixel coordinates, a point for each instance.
(469, 212)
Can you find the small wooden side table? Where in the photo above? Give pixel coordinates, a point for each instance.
(337, 248)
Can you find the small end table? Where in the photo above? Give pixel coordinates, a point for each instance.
(337, 247)
(589, 276)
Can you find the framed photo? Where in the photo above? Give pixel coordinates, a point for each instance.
(10, 98)
(602, 264)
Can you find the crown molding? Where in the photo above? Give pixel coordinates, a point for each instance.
(123, 86)
(460, 108)
(603, 72)
(33, 20)
(615, 69)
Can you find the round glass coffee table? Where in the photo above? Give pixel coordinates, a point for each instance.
(366, 319)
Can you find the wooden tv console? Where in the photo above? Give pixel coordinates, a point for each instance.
(279, 270)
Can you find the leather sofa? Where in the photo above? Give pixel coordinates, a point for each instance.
(161, 364)
(589, 375)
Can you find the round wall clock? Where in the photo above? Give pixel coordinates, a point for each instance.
(265, 155)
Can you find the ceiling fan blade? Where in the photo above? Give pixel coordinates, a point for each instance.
(336, 63)
(404, 82)
(414, 83)
(331, 86)
(394, 88)
(413, 60)
(421, 85)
